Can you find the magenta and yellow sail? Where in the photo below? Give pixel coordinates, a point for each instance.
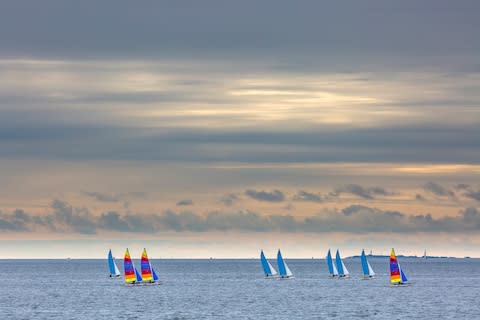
(397, 276)
(394, 269)
(146, 268)
(129, 269)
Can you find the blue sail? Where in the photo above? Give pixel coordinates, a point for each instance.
(266, 267)
(338, 262)
(404, 277)
(111, 264)
(363, 258)
(155, 277)
(138, 275)
(330, 263)
(281, 264)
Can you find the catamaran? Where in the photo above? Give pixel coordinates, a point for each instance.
(130, 272)
(283, 269)
(270, 272)
(342, 269)
(397, 277)
(331, 267)
(148, 273)
(366, 267)
(112, 266)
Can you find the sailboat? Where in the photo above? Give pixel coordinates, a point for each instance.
(331, 267)
(366, 267)
(283, 269)
(268, 269)
(112, 266)
(342, 269)
(397, 277)
(148, 274)
(130, 272)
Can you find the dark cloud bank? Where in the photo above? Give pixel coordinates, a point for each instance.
(354, 219)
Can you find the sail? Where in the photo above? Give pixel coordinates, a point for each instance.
(274, 272)
(146, 269)
(402, 275)
(112, 266)
(345, 270)
(267, 267)
(154, 274)
(340, 265)
(129, 269)
(366, 267)
(363, 259)
(395, 277)
(283, 269)
(331, 267)
(370, 270)
(138, 276)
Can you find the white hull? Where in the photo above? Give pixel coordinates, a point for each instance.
(285, 278)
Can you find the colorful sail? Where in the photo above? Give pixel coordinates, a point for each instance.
(129, 269)
(367, 269)
(112, 266)
(146, 269)
(331, 267)
(283, 268)
(267, 267)
(396, 274)
(342, 269)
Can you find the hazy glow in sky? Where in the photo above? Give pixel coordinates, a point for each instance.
(180, 125)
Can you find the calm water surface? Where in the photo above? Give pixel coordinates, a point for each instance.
(235, 289)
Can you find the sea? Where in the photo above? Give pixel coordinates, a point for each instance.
(236, 289)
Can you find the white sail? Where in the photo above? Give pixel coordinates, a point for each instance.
(117, 272)
(274, 272)
(335, 271)
(370, 270)
(289, 273)
(345, 270)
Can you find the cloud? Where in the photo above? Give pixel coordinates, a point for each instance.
(307, 196)
(352, 219)
(475, 195)
(229, 199)
(186, 202)
(438, 190)
(78, 219)
(16, 221)
(362, 192)
(103, 197)
(419, 197)
(269, 196)
(111, 197)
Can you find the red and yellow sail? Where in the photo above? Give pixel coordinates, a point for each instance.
(146, 268)
(129, 270)
(395, 276)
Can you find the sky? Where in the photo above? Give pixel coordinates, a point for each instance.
(213, 128)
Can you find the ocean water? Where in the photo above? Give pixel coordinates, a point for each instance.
(236, 289)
